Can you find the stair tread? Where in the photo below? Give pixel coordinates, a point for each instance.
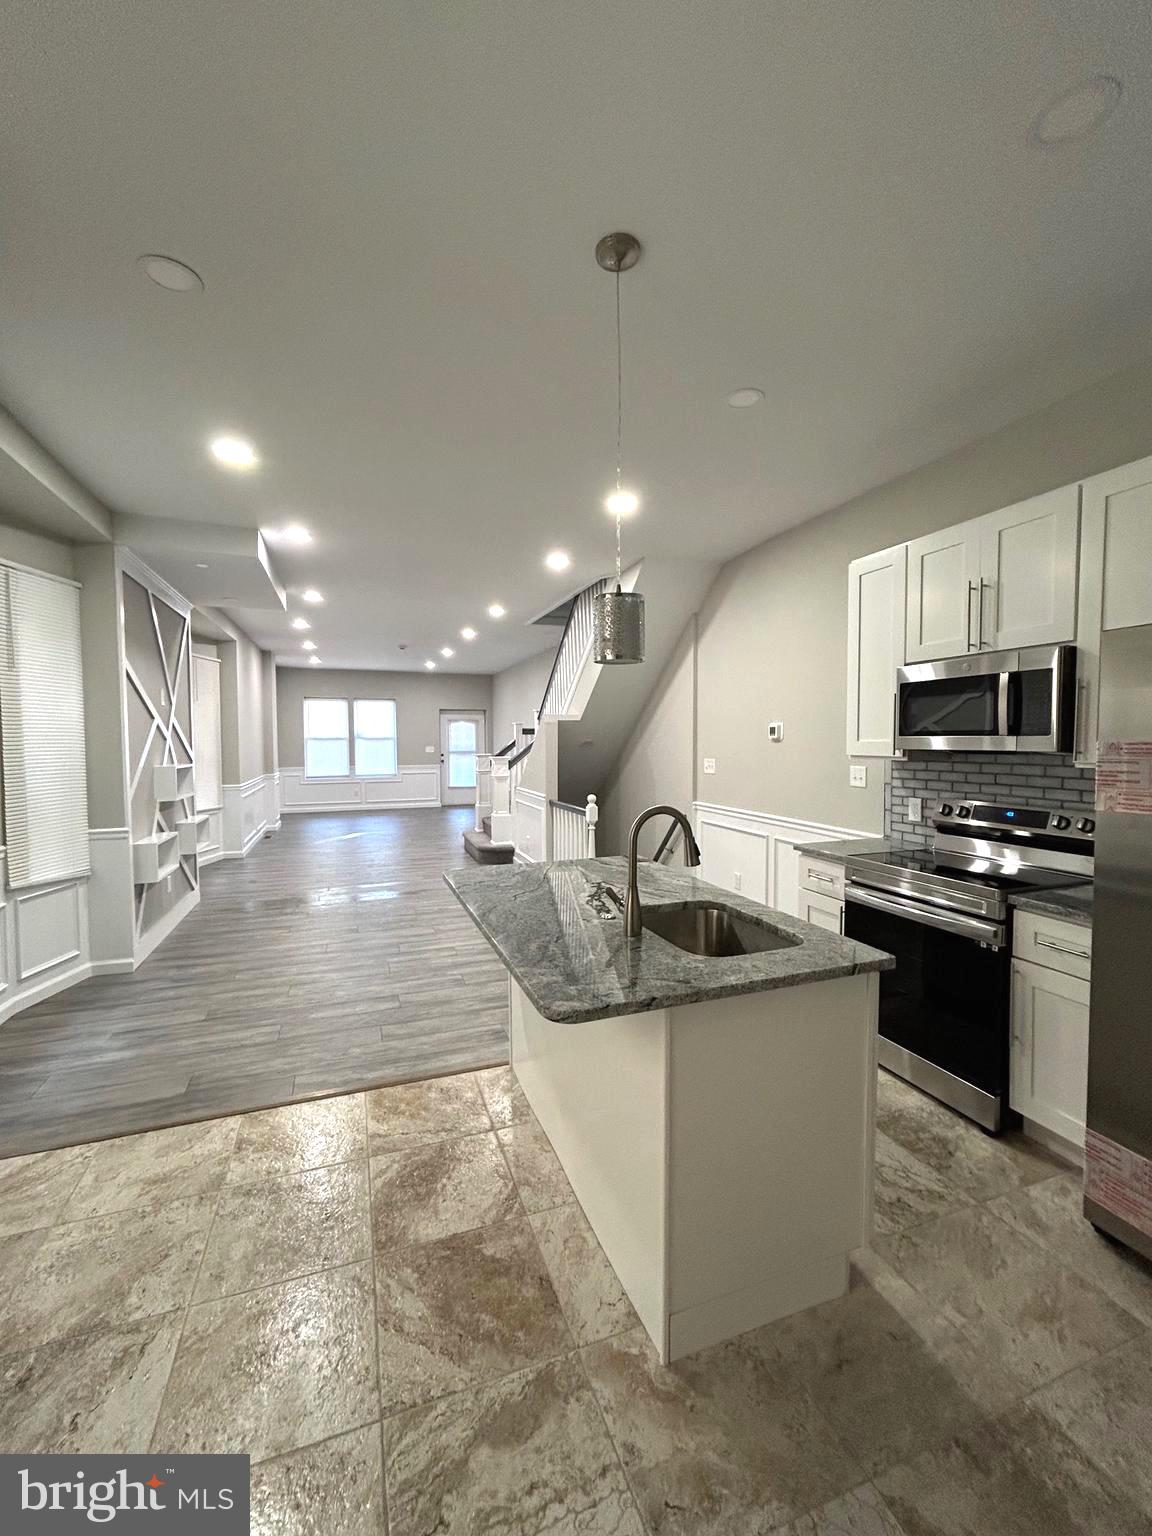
(481, 847)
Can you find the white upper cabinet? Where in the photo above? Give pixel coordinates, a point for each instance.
(876, 607)
(943, 591)
(997, 583)
(1028, 556)
(1115, 578)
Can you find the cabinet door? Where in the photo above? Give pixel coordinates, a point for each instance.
(1115, 588)
(1050, 1048)
(822, 911)
(943, 590)
(1028, 556)
(877, 599)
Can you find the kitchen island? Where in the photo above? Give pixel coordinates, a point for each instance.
(713, 1113)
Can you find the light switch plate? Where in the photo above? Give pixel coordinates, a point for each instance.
(915, 808)
(709, 765)
(775, 730)
(737, 880)
(858, 776)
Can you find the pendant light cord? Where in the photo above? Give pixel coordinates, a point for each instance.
(619, 419)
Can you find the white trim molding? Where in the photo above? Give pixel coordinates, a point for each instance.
(754, 852)
(415, 787)
(248, 812)
(44, 944)
(530, 813)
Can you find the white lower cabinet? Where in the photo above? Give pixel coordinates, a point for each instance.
(822, 912)
(1050, 1048)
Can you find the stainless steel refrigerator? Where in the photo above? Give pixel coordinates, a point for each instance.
(1118, 1162)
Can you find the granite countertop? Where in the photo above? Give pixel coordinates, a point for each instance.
(1074, 904)
(848, 848)
(564, 943)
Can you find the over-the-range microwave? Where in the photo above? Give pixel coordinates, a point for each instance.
(1001, 701)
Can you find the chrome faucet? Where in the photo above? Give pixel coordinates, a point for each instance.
(633, 916)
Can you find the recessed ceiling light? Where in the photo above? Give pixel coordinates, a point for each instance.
(201, 565)
(431, 665)
(300, 623)
(314, 661)
(1077, 112)
(446, 650)
(558, 560)
(310, 595)
(467, 633)
(167, 272)
(496, 610)
(741, 399)
(307, 645)
(621, 503)
(233, 452)
(291, 533)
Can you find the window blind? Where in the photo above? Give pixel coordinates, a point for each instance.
(42, 729)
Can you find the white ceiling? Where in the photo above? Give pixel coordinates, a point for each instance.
(394, 206)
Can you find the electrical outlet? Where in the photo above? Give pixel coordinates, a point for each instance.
(737, 880)
(915, 808)
(709, 765)
(858, 776)
(775, 730)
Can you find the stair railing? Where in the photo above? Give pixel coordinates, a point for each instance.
(575, 644)
(573, 829)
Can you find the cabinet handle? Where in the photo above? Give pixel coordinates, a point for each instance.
(1062, 949)
(980, 621)
(827, 879)
(973, 586)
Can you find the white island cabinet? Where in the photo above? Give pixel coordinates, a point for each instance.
(714, 1114)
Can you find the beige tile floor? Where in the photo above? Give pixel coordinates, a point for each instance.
(392, 1302)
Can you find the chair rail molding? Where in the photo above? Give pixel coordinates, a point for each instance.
(755, 851)
(415, 786)
(249, 810)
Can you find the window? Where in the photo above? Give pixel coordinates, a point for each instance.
(343, 736)
(462, 754)
(375, 725)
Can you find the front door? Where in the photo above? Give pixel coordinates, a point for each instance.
(461, 737)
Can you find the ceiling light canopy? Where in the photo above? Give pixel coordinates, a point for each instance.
(558, 560)
(1076, 113)
(431, 665)
(234, 452)
(467, 633)
(621, 502)
(741, 399)
(167, 272)
(496, 610)
(300, 623)
(310, 595)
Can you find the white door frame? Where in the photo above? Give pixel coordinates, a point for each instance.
(448, 795)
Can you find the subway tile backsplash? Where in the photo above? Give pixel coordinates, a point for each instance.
(1024, 778)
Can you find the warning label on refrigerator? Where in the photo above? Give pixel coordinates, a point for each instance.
(1119, 1179)
(1124, 777)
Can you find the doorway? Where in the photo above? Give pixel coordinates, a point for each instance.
(461, 738)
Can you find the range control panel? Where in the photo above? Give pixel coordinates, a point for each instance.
(1020, 818)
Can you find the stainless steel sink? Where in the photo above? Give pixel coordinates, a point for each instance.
(714, 932)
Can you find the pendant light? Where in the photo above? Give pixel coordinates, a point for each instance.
(617, 616)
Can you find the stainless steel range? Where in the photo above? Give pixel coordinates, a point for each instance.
(944, 913)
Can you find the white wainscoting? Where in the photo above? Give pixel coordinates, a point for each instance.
(530, 810)
(760, 849)
(212, 848)
(249, 811)
(111, 930)
(417, 787)
(43, 940)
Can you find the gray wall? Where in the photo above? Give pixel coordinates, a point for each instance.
(95, 569)
(517, 691)
(420, 696)
(246, 678)
(33, 549)
(773, 629)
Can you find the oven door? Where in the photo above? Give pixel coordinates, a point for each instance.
(944, 1008)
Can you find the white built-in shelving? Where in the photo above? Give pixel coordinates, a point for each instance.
(194, 832)
(155, 858)
(173, 781)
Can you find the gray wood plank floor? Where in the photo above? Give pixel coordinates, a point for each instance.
(332, 958)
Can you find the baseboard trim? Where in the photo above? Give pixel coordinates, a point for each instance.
(392, 805)
(44, 989)
(112, 967)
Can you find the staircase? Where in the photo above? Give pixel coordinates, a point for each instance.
(537, 798)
